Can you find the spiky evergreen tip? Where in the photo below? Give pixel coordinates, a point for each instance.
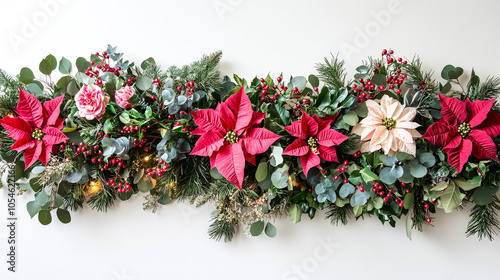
(221, 229)
(484, 220)
(416, 76)
(338, 215)
(203, 72)
(332, 72)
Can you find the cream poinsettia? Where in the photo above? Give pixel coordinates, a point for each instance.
(389, 127)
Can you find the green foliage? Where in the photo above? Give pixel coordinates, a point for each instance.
(332, 72)
(484, 220)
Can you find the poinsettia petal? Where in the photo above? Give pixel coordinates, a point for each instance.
(308, 125)
(257, 118)
(59, 123)
(368, 133)
(257, 140)
(30, 108)
(453, 110)
(227, 117)
(53, 136)
(460, 155)
(45, 154)
(437, 133)
(23, 144)
(51, 110)
(248, 157)
(299, 147)
(328, 153)
(198, 131)
(207, 119)
(295, 129)
(213, 157)
(31, 155)
(453, 141)
(208, 143)
(408, 114)
(402, 135)
(374, 109)
(478, 110)
(326, 121)
(491, 125)
(17, 127)
(240, 105)
(309, 161)
(230, 162)
(381, 133)
(407, 125)
(330, 137)
(387, 144)
(482, 145)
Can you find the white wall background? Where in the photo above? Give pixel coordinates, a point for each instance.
(256, 37)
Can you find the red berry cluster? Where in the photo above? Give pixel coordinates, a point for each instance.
(189, 88)
(121, 185)
(366, 89)
(269, 94)
(388, 194)
(94, 70)
(117, 162)
(160, 168)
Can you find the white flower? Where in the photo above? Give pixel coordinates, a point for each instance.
(389, 127)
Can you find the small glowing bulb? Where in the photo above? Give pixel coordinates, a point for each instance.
(95, 186)
(146, 158)
(11, 115)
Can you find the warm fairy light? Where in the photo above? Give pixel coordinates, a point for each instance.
(146, 158)
(95, 186)
(11, 115)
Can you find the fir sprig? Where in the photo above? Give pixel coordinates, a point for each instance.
(484, 220)
(338, 215)
(332, 72)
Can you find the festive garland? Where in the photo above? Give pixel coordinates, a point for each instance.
(391, 143)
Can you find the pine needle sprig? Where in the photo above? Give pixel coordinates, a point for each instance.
(332, 72)
(484, 220)
(416, 76)
(221, 229)
(339, 214)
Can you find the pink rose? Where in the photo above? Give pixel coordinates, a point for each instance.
(123, 95)
(91, 102)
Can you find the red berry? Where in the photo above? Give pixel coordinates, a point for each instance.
(336, 177)
(315, 89)
(391, 52)
(428, 220)
(426, 206)
(361, 189)
(346, 181)
(385, 199)
(346, 162)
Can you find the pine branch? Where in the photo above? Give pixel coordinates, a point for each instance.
(203, 72)
(103, 199)
(416, 76)
(193, 177)
(332, 72)
(489, 89)
(339, 214)
(221, 229)
(484, 221)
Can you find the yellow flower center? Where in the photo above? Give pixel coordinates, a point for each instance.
(231, 137)
(313, 143)
(464, 129)
(389, 123)
(37, 134)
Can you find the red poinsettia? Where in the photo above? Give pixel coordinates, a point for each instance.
(316, 139)
(466, 127)
(36, 129)
(231, 135)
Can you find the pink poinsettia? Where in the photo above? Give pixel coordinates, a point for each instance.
(466, 127)
(37, 128)
(231, 135)
(315, 139)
